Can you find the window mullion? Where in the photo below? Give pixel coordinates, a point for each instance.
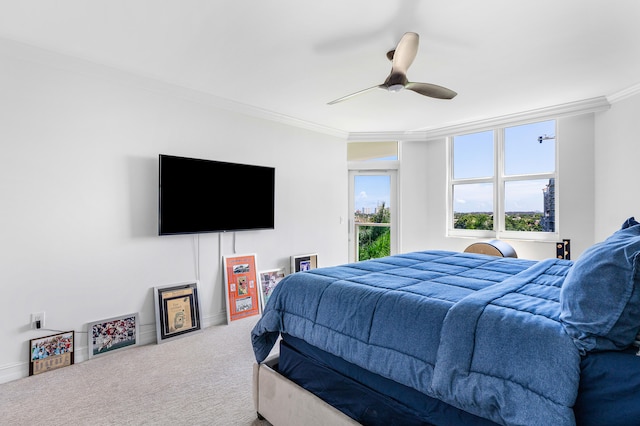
(473, 180)
(498, 218)
(528, 177)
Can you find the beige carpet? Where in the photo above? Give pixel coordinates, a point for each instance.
(200, 379)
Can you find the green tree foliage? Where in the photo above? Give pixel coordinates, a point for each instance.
(473, 221)
(375, 241)
(379, 247)
(523, 222)
(526, 221)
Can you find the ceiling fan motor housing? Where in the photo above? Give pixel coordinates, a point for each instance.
(396, 81)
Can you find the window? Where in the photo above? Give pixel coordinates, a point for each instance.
(373, 169)
(502, 182)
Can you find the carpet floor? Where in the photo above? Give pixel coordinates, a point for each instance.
(200, 379)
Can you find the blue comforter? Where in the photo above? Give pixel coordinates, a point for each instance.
(478, 332)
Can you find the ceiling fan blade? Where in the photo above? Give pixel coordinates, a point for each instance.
(402, 57)
(431, 90)
(344, 98)
(405, 53)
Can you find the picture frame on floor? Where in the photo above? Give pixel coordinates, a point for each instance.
(51, 352)
(113, 334)
(304, 262)
(269, 279)
(241, 286)
(178, 310)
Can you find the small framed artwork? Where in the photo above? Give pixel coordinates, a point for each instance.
(177, 310)
(268, 282)
(113, 334)
(304, 262)
(51, 352)
(241, 286)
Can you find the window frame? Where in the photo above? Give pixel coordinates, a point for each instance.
(372, 161)
(499, 179)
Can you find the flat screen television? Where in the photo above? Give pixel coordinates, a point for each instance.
(200, 196)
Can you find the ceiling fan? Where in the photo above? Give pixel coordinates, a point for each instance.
(401, 58)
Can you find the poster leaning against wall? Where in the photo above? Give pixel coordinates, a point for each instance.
(241, 286)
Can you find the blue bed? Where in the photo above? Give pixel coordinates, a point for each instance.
(502, 339)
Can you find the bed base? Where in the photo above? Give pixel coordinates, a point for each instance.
(284, 403)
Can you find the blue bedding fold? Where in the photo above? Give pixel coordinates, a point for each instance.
(506, 341)
(481, 333)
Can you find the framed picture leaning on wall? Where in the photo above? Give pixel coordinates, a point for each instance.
(241, 286)
(304, 262)
(51, 352)
(177, 310)
(112, 334)
(268, 281)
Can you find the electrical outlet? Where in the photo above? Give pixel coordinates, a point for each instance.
(37, 320)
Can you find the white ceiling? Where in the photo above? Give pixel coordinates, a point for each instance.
(291, 57)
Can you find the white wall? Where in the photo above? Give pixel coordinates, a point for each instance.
(617, 156)
(78, 194)
(424, 192)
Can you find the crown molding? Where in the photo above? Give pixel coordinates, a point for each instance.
(255, 112)
(63, 61)
(408, 136)
(571, 108)
(624, 94)
(243, 109)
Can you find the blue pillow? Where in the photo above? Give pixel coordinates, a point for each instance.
(600, 297)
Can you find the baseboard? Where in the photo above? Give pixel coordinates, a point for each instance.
(217, 319)
(11, 372)
(15, 371)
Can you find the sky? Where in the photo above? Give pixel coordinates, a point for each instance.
(369, 191)
(524, 153)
